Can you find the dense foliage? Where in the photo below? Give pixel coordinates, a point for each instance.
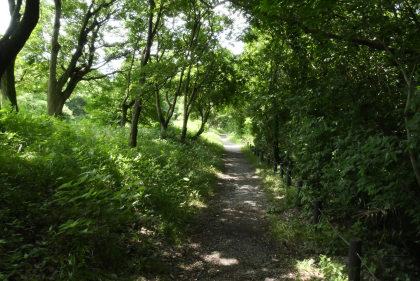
(329, 88)
(76, 198)
(332, 92)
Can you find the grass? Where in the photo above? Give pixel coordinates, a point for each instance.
(77, 203)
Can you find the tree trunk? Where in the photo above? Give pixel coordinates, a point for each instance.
(56, 108)
(276, 128)
(3, 98)
(18, 33)
(55, 101)
(412, 154)
(184, 127)
(125, 108)
(59, 90)
(203, 124)
(8, 89)
(135, 122)
(144, 60)
(124, 115)
(162, 122)
(186, 103)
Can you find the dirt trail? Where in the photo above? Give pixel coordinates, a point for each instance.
(232, 241)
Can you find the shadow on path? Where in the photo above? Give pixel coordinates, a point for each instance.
(231, 240)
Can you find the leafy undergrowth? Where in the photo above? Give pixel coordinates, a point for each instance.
(323, 254)
(77, 203)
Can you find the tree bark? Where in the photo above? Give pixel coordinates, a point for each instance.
(152, 29)
(59, 90)
(164, 122)
(54, 96)
(134, 122)
(186, 102)
(276, 150)
(8, 89)
(18, 32)
(124, 106)
(204, 118)
(163, 126)
(124, 115)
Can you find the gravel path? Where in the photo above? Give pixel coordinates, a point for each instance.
(231, 241)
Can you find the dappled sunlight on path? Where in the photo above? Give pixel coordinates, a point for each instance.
(231, 240)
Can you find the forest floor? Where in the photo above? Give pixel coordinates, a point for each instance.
(230, 239)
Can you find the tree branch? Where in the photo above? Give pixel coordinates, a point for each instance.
(102, 76)
(359, 41)
(18, 34)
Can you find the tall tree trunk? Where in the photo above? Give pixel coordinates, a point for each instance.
(18, 32)
(186, 103)
(412, 154)
(152, 29)
(59, 90)
(276, 150)
(8, 90)
(54, 96)
(124, 106)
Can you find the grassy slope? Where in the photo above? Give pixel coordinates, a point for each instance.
(77, 202)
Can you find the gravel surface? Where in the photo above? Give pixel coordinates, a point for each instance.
(231, 240)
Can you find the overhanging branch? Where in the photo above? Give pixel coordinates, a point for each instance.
(359, 41)
(102, 76)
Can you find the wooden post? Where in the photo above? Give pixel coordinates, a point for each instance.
(262, 156)
(299, 186)
(274, 166)
(288, 177)
(281, 170)
(354, 261)
(268, 160)
(317, 212)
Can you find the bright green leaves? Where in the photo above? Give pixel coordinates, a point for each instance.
(84, 195)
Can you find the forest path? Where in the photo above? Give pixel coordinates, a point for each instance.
(231, 240)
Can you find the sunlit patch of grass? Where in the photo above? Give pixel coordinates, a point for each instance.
(322, 268)
(198, 204)
(308, 270)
